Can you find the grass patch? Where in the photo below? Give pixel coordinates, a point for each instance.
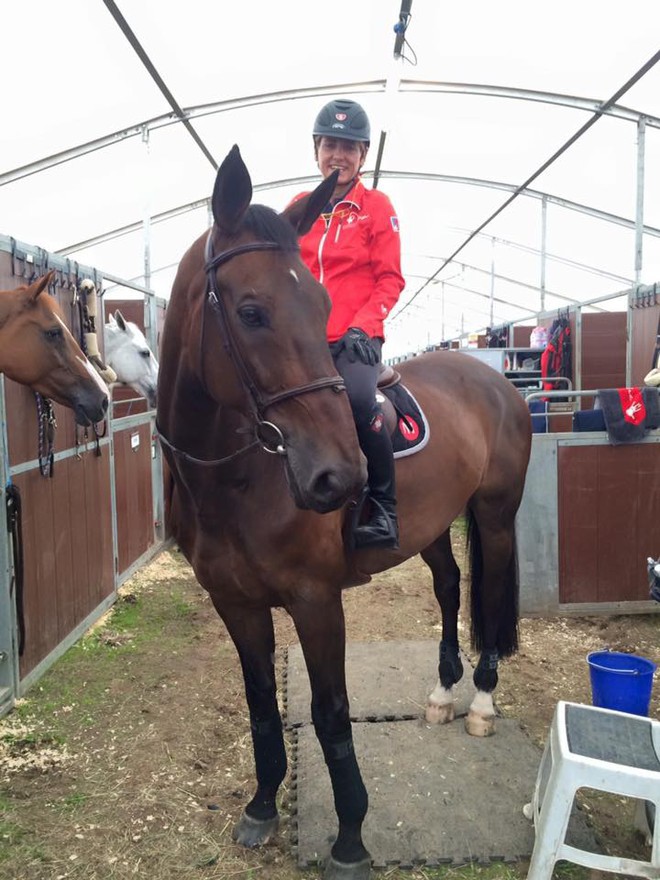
(15, 839)
(10, 832)
(70, 695)
(29, 739)
(74, 800)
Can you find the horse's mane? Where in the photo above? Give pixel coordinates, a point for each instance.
(267, 225)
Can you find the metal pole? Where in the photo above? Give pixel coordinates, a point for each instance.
(544, 234)
(492, 281)
(146, 223)
(577, 361)
(8, 646)
(639, 240)
(442, 307)
(639, 209)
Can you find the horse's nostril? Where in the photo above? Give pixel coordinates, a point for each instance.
(331, 488)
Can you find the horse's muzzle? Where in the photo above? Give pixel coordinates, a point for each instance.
(88, 412)
(327, 489)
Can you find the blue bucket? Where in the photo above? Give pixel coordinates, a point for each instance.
(621, 681)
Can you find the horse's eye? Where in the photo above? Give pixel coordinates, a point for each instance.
(252, 316)
(145, 353)
(53, 334)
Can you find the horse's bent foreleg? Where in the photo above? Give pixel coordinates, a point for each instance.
(253, 636)
(494, 605)
(320, 626)
(446, 586)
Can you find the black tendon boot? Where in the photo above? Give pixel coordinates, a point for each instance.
(382, 529)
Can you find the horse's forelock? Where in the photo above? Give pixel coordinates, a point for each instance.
(267, 225)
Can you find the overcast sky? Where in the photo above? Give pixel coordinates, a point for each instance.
(71, 77)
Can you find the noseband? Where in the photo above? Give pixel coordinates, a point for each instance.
(267, 433)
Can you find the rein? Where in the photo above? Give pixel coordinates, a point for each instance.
(203, 461)
(268, 435)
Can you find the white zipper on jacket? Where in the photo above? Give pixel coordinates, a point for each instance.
(319, 252)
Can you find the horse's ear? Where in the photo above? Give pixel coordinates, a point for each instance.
(232, 192)
(35, 290)
(302, 214)
(121, 322)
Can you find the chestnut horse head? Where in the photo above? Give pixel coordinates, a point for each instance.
(38, 350)
(245, 332)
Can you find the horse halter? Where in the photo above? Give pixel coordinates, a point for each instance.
(267, 433)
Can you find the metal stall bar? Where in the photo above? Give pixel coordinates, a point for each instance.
(8, 647)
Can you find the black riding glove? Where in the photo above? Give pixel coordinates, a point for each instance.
(358, 346)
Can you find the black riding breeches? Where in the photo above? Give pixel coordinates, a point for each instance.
(361, 380)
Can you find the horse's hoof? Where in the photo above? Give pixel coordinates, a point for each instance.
(335, 870)
(251, 832)
(437, 713)
(479, 725)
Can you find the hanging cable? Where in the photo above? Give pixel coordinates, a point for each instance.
(603, 108)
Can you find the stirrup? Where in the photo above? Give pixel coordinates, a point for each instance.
(365, 535)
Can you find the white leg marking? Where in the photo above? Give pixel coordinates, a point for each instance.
(480, 720)
(440, 707)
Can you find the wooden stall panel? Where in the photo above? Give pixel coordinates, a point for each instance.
(521, 335)
(608, 510)
(577, 523)
(133, 489)
(645, 327)
(603, 350)
(69, 565)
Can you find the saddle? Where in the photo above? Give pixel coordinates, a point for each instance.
(403, 416)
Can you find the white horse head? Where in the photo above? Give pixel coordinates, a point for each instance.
(129, 355)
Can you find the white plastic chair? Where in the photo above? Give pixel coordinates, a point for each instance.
(595, 748)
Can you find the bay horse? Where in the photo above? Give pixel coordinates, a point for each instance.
(37, 349)
(127, 352)
(258, 434)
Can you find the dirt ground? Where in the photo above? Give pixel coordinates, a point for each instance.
(132, 756)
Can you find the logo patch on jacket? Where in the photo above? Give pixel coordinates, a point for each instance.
(395, 223)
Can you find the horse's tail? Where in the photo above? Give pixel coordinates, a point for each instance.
(507, 633)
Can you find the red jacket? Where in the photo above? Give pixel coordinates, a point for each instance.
(355, 252)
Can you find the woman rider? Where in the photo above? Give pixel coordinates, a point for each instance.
(354, 250)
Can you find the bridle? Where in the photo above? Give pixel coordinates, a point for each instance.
(268, 435)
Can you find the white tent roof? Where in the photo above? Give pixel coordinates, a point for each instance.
(479, 113)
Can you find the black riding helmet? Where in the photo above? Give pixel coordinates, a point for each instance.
(342, 119)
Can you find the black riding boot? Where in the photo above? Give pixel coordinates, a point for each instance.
(382, 529)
